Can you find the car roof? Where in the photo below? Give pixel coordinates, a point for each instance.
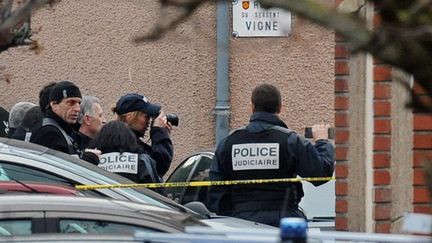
(10, 204)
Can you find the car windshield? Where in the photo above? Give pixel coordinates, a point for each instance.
(90, 171)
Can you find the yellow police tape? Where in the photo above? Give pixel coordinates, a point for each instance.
(203, 183)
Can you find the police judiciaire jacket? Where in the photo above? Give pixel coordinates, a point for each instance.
(265, 149)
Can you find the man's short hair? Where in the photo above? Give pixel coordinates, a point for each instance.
(31, 118)
(266, 97)
(44, 96)
(18, 112)
(86, 107)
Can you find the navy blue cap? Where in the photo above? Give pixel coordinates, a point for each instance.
(136, 102)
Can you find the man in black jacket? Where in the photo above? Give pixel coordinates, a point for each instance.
(267, 149)
(57, 129)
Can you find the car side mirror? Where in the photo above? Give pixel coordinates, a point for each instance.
(199, 208)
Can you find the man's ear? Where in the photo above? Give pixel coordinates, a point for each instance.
(279, 109)
(252, 107)
(87, 120)
(52, 104)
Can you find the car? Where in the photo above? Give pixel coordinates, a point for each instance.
(29, 163)
(196, 167)
(35, 214)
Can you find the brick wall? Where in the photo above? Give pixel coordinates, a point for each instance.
(342, 133)
(382, 148)
(422, 153)
(383, 206)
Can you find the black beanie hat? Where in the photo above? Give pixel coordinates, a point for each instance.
(62, 90)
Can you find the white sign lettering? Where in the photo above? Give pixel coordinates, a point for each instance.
(255, 156)
(119, 163)
(249, 19)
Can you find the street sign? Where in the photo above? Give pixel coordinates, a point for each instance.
(251, 20)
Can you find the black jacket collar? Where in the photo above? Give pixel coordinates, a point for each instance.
(68, 128)
(260, 121)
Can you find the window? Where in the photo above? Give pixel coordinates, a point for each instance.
(68, 226)
(12, 172)
(201, 173)
(181, 174)
(202, 170)
(22, 173)
(15, 227)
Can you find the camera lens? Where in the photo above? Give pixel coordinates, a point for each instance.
(173, 119)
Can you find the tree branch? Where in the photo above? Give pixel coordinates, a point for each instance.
(187, 7)
(15, 25)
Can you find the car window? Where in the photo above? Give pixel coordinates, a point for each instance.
(99, 227)
(15, 227)
(181, 174)
(201, 173)
(22, 173)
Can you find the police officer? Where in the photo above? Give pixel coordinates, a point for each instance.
(267, 149)
(140, 114)
(121, 154)
(57, 129)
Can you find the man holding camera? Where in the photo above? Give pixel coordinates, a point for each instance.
(136, 111)
(267, 149)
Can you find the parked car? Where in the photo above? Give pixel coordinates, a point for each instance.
(27, 162)
(33, 214)
(318, 202)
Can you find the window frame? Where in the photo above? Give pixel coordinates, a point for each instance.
(36, 218)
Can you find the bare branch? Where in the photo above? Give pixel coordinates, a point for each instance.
(5, 10)
(347, 25)
(15, 25)
(187, 7)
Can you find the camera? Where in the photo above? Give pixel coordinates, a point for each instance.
(308, 132)
(172, 118)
